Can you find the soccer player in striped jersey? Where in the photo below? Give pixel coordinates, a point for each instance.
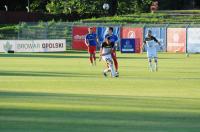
(113, 39)
(105, 53)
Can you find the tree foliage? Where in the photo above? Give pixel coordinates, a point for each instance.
(95, 6)
(38, 5)
(78, 6)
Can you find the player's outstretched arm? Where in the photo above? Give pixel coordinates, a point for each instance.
(158, 42)
(161, 46)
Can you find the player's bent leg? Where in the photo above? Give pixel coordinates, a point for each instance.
(107, 69)
(110, 64)
(105, 72)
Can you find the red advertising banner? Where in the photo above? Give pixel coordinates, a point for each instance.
(176, 40)
(79, 33)
(135, 33)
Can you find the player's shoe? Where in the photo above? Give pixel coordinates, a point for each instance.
(95, 63)
(150, 69)
(117, 74)
(104, 73)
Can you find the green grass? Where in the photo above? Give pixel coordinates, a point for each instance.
(54, 92)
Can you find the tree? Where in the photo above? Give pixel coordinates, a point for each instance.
(113, 7)
(13, 5)
(55, 7)
(95, 7)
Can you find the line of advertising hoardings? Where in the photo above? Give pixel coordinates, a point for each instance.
(130, 40)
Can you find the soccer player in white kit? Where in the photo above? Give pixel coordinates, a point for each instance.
(151, 43)
(105, 54)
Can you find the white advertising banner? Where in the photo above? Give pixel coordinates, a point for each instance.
(193, 41)
(33, 45)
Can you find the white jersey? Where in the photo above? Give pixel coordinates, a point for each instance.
(151, 47)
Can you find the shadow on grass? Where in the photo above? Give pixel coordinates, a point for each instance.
(67, 55)
(91, 120)
(4, 93)
(45, 74)
(76, 74)
(23, 120)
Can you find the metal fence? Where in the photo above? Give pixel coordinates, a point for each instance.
(63, 30)
(40, 30)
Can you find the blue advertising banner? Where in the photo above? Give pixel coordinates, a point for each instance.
(102, 31)
(127, 45)
(160, 34)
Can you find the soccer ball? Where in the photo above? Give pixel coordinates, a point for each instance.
(106, 6)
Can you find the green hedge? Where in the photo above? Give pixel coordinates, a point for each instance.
(147, 18)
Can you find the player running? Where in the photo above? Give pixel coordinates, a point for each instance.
(105, 53)
(150, 42)
(91, 41)
(113, 40)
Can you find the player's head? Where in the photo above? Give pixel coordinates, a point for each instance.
(110, 30)
(149, 33)
(90, 29)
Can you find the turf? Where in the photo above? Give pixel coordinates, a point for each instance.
(49, 92)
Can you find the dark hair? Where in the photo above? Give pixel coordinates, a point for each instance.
(149, 31)
(111, 28)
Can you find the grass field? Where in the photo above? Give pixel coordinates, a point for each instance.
(55, 92)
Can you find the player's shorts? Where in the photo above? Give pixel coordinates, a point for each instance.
(152, 53)
(107, 57)
(92, 49)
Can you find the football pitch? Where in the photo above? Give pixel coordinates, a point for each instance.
(61, 92)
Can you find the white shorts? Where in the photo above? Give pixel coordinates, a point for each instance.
(152, 53)
(107, 57)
